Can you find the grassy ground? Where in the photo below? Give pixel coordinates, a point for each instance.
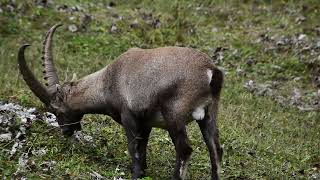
(262, 138)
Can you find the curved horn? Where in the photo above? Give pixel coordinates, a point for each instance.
(50, 73)
(35, 86)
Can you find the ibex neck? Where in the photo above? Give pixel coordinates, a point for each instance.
(88, 95)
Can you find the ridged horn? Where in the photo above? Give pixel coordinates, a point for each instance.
(36, 87)
(50, 73)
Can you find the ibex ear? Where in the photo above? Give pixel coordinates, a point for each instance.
(74, 77)
(58, 88)
(57, 96)
(59, 92)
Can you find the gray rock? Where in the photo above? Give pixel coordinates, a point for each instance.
(302, 37)
(134, 24)
(300, 19)
(85, 20)
(48, 165)
(5, 137)
(72, 28)
(113, 28)
(240, 72)
(39, 152)
(317, 44)
(96, 175)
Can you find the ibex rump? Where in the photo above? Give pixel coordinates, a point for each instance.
(143, 88)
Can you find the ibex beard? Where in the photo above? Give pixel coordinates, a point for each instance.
(165, 87)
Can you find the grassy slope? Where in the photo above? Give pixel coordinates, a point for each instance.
(262, 139)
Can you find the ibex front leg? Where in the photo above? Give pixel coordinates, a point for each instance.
(134, 137)
(142, 145)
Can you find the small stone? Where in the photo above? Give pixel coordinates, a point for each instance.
(88, 138)
(199, 8)
(114, 28)
(280, 100)
(19, 135)
(62, 8)
(318, 44)
(14, 148)
(72, 28)
(117, 16)
(282, 26)
(250, 62)
(280, 43)
(39, 152)
(74, 9)
(96, 175)
(81, 137)
(277, 68)
(297, 79)
(10, 8)
(51, 119)
(156, 23)
(134, 24)
(43, 3)
(305, 108)
(23, 162)
(85, 20)
(300, 19)
(317, 29)
(316, 81)
(5, 137)
(250, 85)
(214, 29)
(71, 18)
(239, 72)
(118, 178)
(302, 37)
(296, 98)
(47, 165)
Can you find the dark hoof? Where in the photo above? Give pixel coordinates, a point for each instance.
(137, 173)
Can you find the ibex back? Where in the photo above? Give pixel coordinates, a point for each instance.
(165, 87)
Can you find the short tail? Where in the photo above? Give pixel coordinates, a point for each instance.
(216, 82)
(216, 86)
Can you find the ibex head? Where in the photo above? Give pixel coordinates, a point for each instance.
(54, 95)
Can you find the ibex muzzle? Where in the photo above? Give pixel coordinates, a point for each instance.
(165, 87)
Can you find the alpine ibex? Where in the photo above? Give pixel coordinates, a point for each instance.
(164, 87)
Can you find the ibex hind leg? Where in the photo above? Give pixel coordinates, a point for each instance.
(178, 134)
(210, 133)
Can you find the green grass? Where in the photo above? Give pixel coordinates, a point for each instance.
(262, 140)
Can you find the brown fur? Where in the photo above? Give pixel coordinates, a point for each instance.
(138, 88)
(139, 78)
